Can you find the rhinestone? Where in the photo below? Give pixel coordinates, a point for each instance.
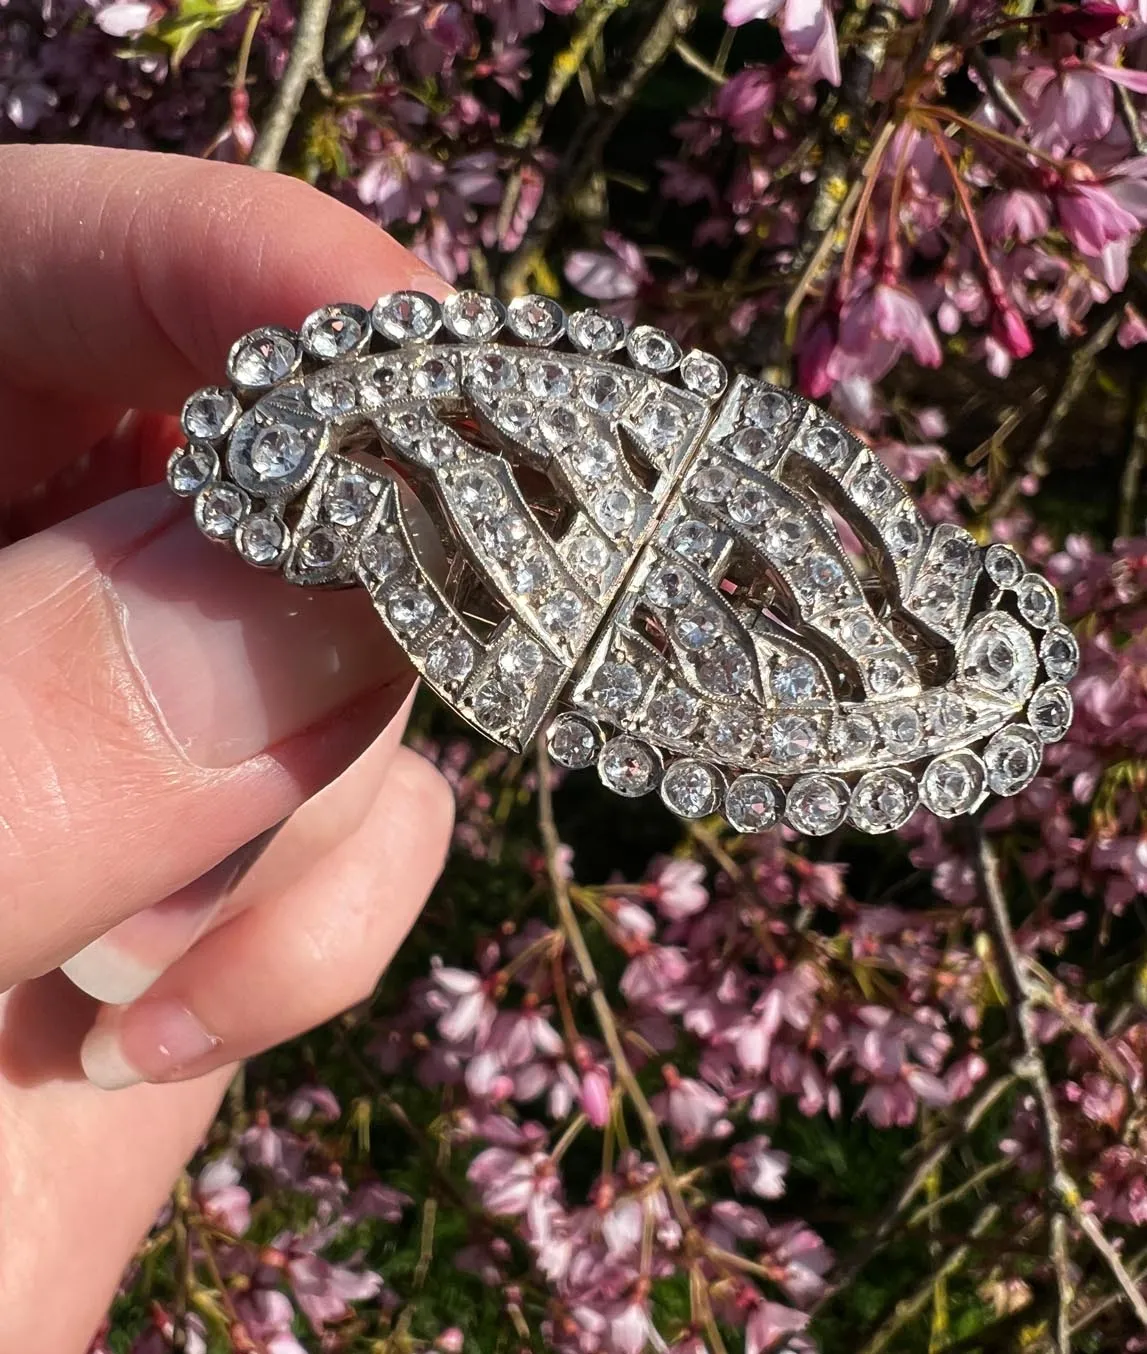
(698, 628)
(691, 789)
(262, 358)
(733, 734)
(617, 686)
(521, 660)
(795, 680)
(947, 715)
(992, 659)
(725, 670)
(277, 452)
(209, 414)
(1050, 711)
(873, 487)
(1060, 653)
(615, 510)
(958, 552)
(822, 573)
(754, 445)
(903, 535)
(382, 555)
(749, 504)
(347, 499)
(753, 803)
(335, 331)
(602, 391)
(590, 555)
(882, 801)
(435, 376)
(319, 549)
(669, 587)
(952, 784)
(480, 493)
(1037, 602)
(592, 332)
(594, 458)
(219, 510)
(628, 766)
(817, 804)
(853, 736)
(767, 408)
(901, 729)
(449, 659)
(936, 597)
(560, 426)
(548, 380)
(712, 483)
(331, 396)
(411, 609)
(404, 426)
(572, 742)
(858, 630)
(885, 675)
(1003, 566)
(561, 612)
(652, 349)
(1012, 759)
(672, 712)
(191, 469)
(826, 446)
(405, 316)
(380, 386)
(496, 705)
(794, 739)
(527, 572)
(703, 374)
(516, 414)
(471, 315)
(787, 537)
(491, 373)
(503, 536)
(692, 538)
(535, 319)
(659, 424)
(262, 539)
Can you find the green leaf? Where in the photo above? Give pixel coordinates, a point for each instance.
(181, 30)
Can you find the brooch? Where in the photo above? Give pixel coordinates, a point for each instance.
(703, 585)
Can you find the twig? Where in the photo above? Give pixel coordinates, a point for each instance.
(999, 94)
(1133, 467)
(692, 57)
(183, 1271)
(980, 1177)
(1130, 115)
(304, 64)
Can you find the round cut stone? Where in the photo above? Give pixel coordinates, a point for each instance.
(1060, 653)
(191, 469)
(210, 414)
(560, 426)
(732, 734)
(535, 319)
(572, 741)
(669, 587)
(548, 380)
(652, 349)
(698, 628)
(749, 504)
(347, 498)
(436, 376)
(492, 373)
(787, 537)
(753, 803)
(219, 510)
(711, 483)
(947, 715)
(592, 332)
(382, 555)
(590, 555)
(853, 736)
(903, 535)
(703, 374)
(672, 712)
(767, 408)
(617, 686)
(1050, 711)
(827, 446)
(886, 675)
(873, 487)
(561, 611)
(410, 609)
(659, 424)
(334, 331)
(516, 414)
(958, 552)
(1012, 759)
(755, 445)
(497, 705)
(472, 315)
(1037, 602)
(795, 679)
(382, 385)
(278, 451)
(615, 510)
(882, 801)
(993, 660)
(822, 573)
(691, 789)
(262, 358)
(480, 493)
(1003, 566)
(331, 396)
(628, 766)
(503, 536)
(602, 391)
(320, 548)
(520, 661)
(692, 538)
(937, 597)
(725, 670)
(817, 804)
(405, 316)
(527, 571)
(449, 659)
(902, 729)
(262, 539)
(593, 458)
(952, 784)
(794, 739)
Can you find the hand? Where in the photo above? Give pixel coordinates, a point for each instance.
(161, 707)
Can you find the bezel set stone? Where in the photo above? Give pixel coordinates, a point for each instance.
(675, 609)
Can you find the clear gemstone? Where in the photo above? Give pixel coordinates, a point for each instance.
(449, 659)
(480, 493)
(592, 332)
(692, 538)
(628, 766)
(822, 573)
(404, 316)
(903, 535)
(937, 596)
(1050, 711)
(826, 446)
(749, 504)
(527, 572)
(617, 686)
(1003, 566)
(672, 712)
(947, 715)
(882, 801)
(572, 742)
(278, 451)
(787, 537)
(767, 408)
(209, 414)
(659, 424)
(703, 374)
(472, 315)
(1012, 759)
(385, 383)
(691, 789)
(1037, 602)
(548, 380)
(516, 414)
(873, 487)
(220, 509)
(711, 483)
(902, 730)
(602, 391)
(436, 376)
(698, 628)
(669, 587)
(492, 373)
(504, 536)
(615, 510)
(652, 349)
(382, 555)
(331, 395)
(753, 803)
(593, 458)
(334, 331)
(853, 736)
(261, 539)
(958, 552)
(794, 739)
(885, 675)
(817, 805)
(262, 358)
(858, 630)
(725, 670)
(320, 548)
(795, 680)
(590, 555)
(535, 319)
(952, 784)
(497, 705)
(560, 426)
(432, 447)
(992, 659)
(754, 445)
(411, 609)
(347, 498)
(561, 611)
(192, 469)
(1060, 653)
(520, 660)
(733, 734)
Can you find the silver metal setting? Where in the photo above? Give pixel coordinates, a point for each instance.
(637, 553)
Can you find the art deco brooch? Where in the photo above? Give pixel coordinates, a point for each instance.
(706, 587)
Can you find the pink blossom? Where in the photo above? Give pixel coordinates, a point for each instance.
(678, 887)
(759, 1168)
(770, 1321)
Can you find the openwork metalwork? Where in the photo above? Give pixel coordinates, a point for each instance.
(704, 586)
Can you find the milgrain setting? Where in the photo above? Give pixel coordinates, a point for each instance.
(570, 523)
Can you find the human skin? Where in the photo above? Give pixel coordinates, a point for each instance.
(163, 709)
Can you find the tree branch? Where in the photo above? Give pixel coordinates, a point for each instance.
(305, 64)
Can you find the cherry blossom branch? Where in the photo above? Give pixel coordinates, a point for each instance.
(1133, 467)
(304, 65)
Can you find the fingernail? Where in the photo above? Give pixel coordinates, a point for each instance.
(236, 661)
(124, 962)
(152, 1041)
